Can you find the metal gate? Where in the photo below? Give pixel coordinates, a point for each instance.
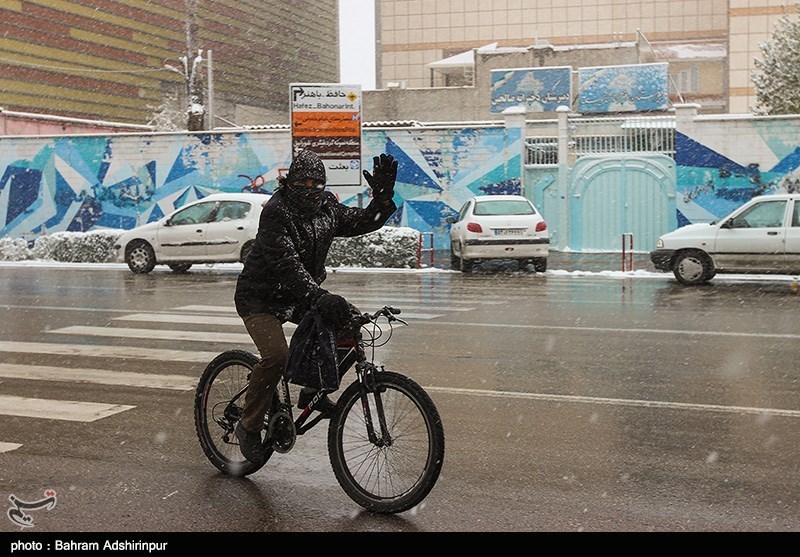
(597, 178)
(612, 195)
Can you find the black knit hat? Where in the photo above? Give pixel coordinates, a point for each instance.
(306, 164)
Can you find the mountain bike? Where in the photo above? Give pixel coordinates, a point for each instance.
(385, 437)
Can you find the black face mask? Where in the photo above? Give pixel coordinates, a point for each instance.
(305, 198)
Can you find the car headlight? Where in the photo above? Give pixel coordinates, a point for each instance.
(660, 243)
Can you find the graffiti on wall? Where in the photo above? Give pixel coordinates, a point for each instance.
(440, 170)
(81, 183)
(711, 184)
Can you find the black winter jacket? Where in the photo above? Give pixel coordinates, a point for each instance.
(286, 265)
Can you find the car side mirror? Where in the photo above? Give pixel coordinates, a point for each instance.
(727, 224)
(450, 220)
(168, 222)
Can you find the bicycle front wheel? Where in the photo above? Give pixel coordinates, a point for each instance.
(218, 405)
(387, 475)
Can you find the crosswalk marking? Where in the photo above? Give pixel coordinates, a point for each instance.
(70, 410)
(203, 336)
(6, 447)
(125, 352)
(98, 376)
(178, 318)
(413, 307)
(403, 303)
(223, 309)
(218, 320)
(409, 314)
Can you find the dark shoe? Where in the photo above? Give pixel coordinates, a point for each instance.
(250, 444)
(324, 405)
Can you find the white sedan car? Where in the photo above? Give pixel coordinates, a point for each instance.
(498, 227)
(219, 228)
(761, 236)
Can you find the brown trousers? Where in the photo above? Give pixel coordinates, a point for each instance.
(267, 333)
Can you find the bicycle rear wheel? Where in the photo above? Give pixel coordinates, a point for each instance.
(218, 405)
(395, 476)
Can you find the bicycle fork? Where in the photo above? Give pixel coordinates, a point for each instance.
(366, 377)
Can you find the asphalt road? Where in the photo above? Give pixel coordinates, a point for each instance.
(570, 404)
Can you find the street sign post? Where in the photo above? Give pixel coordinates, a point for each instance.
(326, 119)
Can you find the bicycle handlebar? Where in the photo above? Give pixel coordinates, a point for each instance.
(388, 312)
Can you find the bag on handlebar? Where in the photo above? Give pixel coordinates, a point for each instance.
(312, 360)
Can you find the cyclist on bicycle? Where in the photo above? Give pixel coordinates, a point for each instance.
(282, 274)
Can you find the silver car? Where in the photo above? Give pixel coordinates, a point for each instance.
(498, 227)
(219, 228)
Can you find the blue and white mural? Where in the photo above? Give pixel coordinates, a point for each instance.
(716, 175)
(80, 183)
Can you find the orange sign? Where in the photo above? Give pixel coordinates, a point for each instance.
(326, 118)
(326, 124)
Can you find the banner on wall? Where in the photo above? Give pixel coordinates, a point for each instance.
(326, 119)
(630, 88)
(537, 89)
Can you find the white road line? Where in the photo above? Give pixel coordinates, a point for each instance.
(416, 315)
(219, 320)
(391, 299)
(622, 402)
(179, 318)
(126, 352)
(440, 305)
(159, 334)
(615, 330)
(222, 309)
(98, 376)
(70, 410)
(6, 447)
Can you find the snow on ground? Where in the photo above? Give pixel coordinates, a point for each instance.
(236, 267)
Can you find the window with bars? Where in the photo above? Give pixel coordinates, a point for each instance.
(541, 151)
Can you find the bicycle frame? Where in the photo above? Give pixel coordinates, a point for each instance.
(351, 352)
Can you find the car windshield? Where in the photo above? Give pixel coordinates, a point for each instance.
(503, 207)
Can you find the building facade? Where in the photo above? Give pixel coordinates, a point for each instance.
(710, 44)
(106, 60)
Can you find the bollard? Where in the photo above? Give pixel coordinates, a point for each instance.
(420, 249)
(627, 251)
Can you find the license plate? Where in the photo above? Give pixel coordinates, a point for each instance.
(508, 232)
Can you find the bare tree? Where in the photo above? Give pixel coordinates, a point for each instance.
(190, 70)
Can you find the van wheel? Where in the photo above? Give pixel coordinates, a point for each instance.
(693, 267)
(140, 257)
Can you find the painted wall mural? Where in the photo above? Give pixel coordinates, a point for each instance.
(716, 174)
(441, 169)
(81, 183)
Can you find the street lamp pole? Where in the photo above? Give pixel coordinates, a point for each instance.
(210, 99)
